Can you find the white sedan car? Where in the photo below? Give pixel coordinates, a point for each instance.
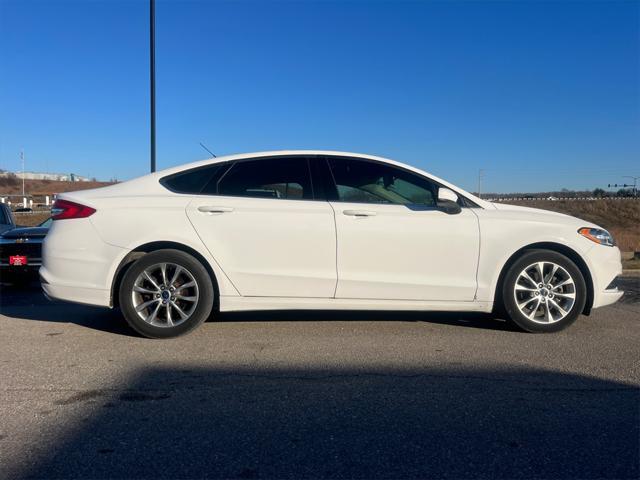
(318, 230)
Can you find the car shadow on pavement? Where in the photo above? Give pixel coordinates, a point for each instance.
(463, 319)
(313, 422)
(29, 303)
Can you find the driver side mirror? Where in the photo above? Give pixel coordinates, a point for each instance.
(448, 201)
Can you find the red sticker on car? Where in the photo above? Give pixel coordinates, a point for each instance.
(17, 260)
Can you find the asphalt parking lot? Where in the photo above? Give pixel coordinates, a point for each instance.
(320, 394)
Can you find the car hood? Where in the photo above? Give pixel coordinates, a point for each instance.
(537, 214)
(25, 232)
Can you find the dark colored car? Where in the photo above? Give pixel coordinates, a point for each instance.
(21, 252)
(6, 219)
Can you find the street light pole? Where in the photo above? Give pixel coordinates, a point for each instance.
(22, 160)
(480, 176)
(152, 73)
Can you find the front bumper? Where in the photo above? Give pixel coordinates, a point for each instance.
(605, 265)
(607, 297)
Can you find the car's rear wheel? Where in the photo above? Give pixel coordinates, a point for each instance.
(544, 291)
(166, 293)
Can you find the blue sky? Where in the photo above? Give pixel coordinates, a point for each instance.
(541, 95)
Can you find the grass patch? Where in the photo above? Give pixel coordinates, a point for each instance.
(633, 264)
(31, 219)
(621, 217)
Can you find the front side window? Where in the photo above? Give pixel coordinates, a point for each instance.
(363, 181)
(283, 178)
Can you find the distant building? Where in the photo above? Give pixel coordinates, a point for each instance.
(61, 177)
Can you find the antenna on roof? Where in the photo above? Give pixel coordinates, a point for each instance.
(213, 155)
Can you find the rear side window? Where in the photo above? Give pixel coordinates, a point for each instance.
(3, 217)
(362, 181)
(283, 178)
(191, 181)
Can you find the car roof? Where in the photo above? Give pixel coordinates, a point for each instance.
(268, 154)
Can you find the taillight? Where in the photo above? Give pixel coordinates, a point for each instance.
(64, 209)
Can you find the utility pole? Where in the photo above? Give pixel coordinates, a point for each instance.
(480, 177)
(22, 160)
(152, 74)
(635, 184)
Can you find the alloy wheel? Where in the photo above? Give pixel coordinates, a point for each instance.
(165, 295)
(544, 292)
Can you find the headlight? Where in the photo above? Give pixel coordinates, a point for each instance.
(597, 235)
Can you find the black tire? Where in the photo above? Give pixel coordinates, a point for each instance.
(201, 311)
(509, 298)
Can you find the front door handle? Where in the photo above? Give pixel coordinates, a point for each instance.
(214, 209)
(359, 213)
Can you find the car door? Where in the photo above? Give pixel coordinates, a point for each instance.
(394, 242)
(260, 221)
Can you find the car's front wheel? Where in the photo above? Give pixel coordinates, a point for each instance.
(544, 291)
(165, 294)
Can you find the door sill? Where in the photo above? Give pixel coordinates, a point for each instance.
(236, 304)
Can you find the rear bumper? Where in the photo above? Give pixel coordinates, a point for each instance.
(77, 265)
(87, 296)
(31, 266)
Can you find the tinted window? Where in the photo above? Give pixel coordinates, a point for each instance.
(3, 217)
(285, 178)
(191, 181)
(370, 182)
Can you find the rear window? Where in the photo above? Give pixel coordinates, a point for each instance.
(191, 181)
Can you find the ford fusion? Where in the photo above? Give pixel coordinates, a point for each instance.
(318, 230)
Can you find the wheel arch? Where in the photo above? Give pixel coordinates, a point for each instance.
(568, 252)
(142, 250)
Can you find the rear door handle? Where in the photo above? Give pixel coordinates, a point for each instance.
(359, 213)
(214, 209)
